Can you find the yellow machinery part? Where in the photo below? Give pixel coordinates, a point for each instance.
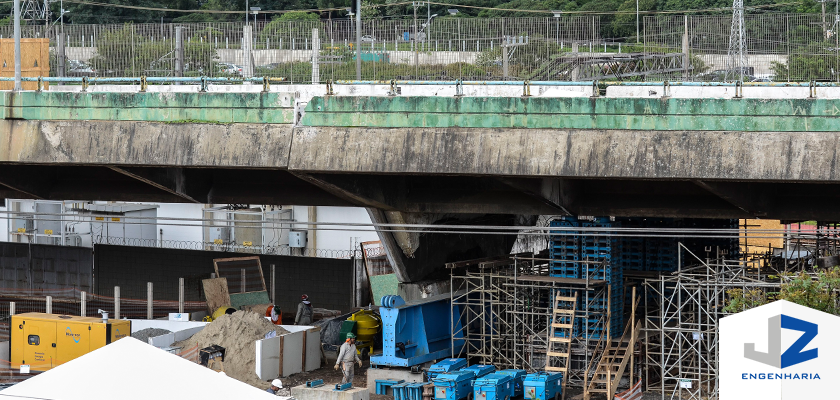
(221, 311)
(368, 325)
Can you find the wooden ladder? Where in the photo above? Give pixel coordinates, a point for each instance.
(614, 359)
(560, 336)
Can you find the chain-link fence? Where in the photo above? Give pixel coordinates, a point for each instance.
(783, 47)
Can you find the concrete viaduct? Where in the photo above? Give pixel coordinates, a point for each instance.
(498, 160)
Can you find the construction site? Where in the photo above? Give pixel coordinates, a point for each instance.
(602, 307)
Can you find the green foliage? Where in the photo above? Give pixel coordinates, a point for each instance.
(146, 56)
(299, 16)
(808, 64)
(818, 292)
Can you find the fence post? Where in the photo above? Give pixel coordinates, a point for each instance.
(83, 311)
(316, 47)
(242, 282)
(11, 308)
(61, 42)
(273, 299)
(49, 305)
(149, 301)
(685, 63)
(247, 67)
(179, 52)
(116, 302)
(180, 295)
(505, 58)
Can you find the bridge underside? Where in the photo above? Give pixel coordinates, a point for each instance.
(475, 176)
(686, 198)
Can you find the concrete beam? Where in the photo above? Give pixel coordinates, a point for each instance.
(34, 182)
(135, 144)
(170, 180)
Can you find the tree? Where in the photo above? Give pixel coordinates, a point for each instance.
(819, 292)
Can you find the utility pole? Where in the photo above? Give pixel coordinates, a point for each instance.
(637, 21)
(736, 62)
(17, 87)
(359, 40)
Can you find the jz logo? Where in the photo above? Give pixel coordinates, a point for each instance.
(794, 354)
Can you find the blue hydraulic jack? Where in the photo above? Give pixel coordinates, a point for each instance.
(315, 383)
(340, 387)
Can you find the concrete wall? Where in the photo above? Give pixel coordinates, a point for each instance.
(131, 267)
(51, 267)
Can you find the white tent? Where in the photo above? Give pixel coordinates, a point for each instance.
(129, 369)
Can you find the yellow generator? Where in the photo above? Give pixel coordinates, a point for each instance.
(44, 341)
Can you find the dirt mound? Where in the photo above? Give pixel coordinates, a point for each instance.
(237, 333)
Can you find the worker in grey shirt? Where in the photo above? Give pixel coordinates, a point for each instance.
(304, 312)
(346, 357)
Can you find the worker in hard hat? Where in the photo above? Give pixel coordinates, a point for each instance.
(304, 311)
(346, 357)
(275, 386)
(275, 314)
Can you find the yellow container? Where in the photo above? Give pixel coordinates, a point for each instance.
(44, 341)
(368, 325)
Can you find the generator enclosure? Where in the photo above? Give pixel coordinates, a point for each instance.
(518, 375)
(444, 366)
(543, 386)
(480, 370)
(454, 385)
(493, 387)
(44, 341)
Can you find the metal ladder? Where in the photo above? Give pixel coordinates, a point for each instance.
(560, 335)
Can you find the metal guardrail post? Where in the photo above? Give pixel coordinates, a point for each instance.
(149, 301)
(273, 298)
(526, 89)
(116, 302)
(84, 83)
(180, 295)
(83, 310)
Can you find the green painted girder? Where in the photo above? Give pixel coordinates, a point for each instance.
(271, 107)
(791, 115)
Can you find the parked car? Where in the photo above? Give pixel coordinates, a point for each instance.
(228, 68)
(78, 68)
(368, 38)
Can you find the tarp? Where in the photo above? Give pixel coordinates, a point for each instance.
(132, 370)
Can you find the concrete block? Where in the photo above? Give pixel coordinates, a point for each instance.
(327, 392)
(384, 373)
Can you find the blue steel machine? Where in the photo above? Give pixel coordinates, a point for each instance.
(419, 332)
(543, 386)
(493, 387)
(518, 375)
(480, 370)
(444, 366)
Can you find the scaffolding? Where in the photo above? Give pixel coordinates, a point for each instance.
(507, 305)
(680, 328)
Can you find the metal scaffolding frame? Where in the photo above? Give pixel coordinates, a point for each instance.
(680, 328)
(507, 305)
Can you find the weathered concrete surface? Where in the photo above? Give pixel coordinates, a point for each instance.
(770, 156)
(145, 143)
(260, 107)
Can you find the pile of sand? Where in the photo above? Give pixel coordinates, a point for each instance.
(143, 335)
(237, 333)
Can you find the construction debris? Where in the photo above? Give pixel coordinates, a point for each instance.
(237, 333)
(143, 335)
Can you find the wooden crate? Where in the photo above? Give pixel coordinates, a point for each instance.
(34, 61)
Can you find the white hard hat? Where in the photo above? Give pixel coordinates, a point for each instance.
(277, 383)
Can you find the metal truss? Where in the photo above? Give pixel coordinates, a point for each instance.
(621, 66)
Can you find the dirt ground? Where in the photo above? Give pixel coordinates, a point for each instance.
(329, 375)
